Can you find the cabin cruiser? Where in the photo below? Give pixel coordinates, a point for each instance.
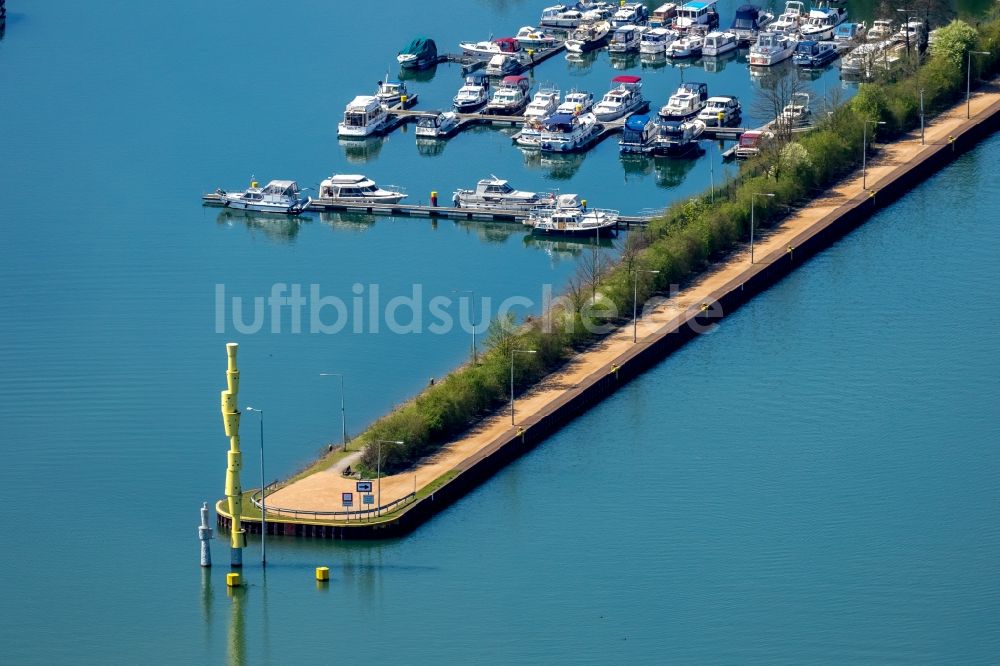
(687, 102)
(663, 15)
(656, 41)
(719, 43)
(391, 93)
(495, 192)
(697, 14)
(849, 32)
(789, 20)
(437, 125)
(625, 97)
(770, 49)
(576, 101)
(749, 21)
(629, 14)
(566, 133)
(530, 134)
(721, 111)
(420, 53)
(639, 134)
(488, 49)
(543, 104)
(502, 64)
(814, 54)
(511, 97)
(561, 16)
(278, 196)
(796, 112)
(912, 32)
(881, 29)
(364, 116)
(864, 60)
(688, 45)
(353, 188)
(473, 95)
(588, 37)
(820, 23)
(531, 37)
(678, 138)
(625, 39)
(571, 220)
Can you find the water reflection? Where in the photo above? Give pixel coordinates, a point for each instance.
(671, 172)
(495, 233)
(564, 249)
(636, 164)
(715, 64)
(348, 221)
(653, 60)
(622, 61)
(362, 150)
(276, 227)
(768, 77)
(430, 147)
(419, 75)
(560, 166)
(236, 643)
(581, 63)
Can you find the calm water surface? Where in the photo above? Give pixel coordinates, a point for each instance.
(816, 481)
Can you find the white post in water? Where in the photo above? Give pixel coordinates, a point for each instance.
(205, 536)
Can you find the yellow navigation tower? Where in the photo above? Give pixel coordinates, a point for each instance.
(234, 490)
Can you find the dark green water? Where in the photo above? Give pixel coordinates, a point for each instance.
(816, 481)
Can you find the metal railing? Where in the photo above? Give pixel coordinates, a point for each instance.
(369, 513)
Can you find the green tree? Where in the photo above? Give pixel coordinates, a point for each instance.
(953, 41)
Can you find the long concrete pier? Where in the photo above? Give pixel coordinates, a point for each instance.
(592, 375)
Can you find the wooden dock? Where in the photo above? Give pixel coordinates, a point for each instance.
(527, 61)
(422, 210)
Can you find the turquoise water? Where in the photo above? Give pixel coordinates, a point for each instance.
(816, 481)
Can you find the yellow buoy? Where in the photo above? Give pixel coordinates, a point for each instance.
(323, 574)
(233, 579)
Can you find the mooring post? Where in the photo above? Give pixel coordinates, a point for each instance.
(204, 532)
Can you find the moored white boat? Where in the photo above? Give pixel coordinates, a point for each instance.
(510, 98)
(625, 97)
(278, 196)
(718, 43)
(502, 64)
(588, 37)
(364, 116)
(770, 49)
(721, 111)
(473, 95)
(656, 41)
(531, 37)
(437, 125)
(576, 101)
(572, 221)
(487, 49)
(678, 138)
(391, 93)
(820, 23)
(809, 53)
(626, 39)
(639, 134)
(566, 133)
(697, 14)
(631, 13)
(561, 16)
(688, 45)
(796, 112)
(790, 20)
(543, 104)
(497, 193)
(354, 188)
(749, 21)
(687, 102)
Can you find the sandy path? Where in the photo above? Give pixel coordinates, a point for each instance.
(321, 491)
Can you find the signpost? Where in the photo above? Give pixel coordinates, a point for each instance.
(368, 500)
(364, 486)
(347, 499)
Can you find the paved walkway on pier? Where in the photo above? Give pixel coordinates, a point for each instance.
(321, 491)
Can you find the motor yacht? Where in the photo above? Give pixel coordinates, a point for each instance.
(567, 133)
(496, 193)
(510, 98)
(721, 111)
(625, 97)
(473, 95)
(576, 101)
(770, 49)
(678, 138)
(687, 102)
(749, 21)
(437, 125)
(278, 196)
(364, 116)
(719, 43)
(543, 104)
(353, 188)
(572, 221)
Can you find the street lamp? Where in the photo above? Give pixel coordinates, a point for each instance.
(968, 82)
(635, 298)
(753, 199)
(343, 414)
(864, 151)
(378, 471)
(472, 315)
(263, 490)
(512, 353)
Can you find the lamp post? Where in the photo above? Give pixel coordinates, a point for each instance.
(513, 352)
(753, 199)
(968, 82)
(263, 491)
(635, 299)
(472, 315)
(343, 414)
(378, 470)
(864, 151)
(921, 116)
